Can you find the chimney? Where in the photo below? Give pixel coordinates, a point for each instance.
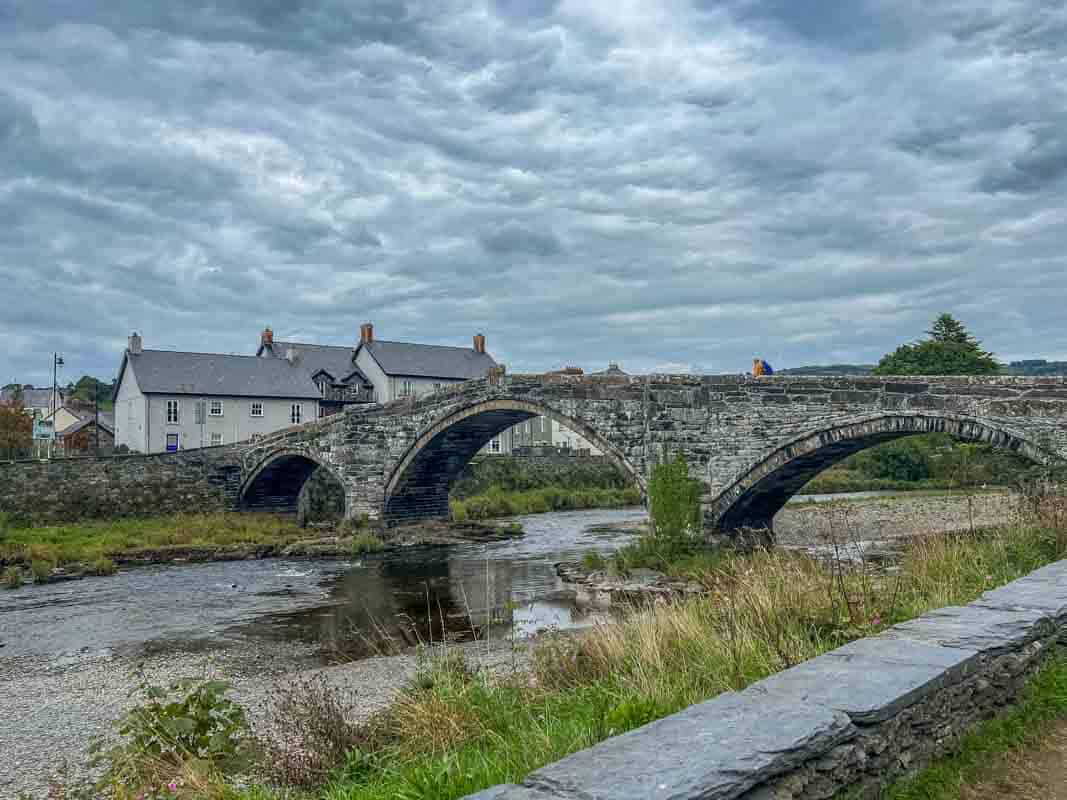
(134, 346)
(366, 333)
(267, 337)
(479, 343)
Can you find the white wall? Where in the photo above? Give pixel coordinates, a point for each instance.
(130, 419)
(236, 423)
(369, 367)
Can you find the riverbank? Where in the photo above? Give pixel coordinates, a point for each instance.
(42, 555)
(498, 502)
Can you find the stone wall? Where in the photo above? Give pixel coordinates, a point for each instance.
(75, 489)
(847, 722)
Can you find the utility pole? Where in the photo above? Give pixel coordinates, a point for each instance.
(96, 418)
(57, 362)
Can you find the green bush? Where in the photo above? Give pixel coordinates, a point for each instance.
(366, 542)
(188, 722)
(103, 566)
(41, 570)
(12, 578)
(674, 500)
(594, 561)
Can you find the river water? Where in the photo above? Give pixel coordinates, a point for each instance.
(346, 608)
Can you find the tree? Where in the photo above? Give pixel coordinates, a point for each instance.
(16, 428)
(950, 350)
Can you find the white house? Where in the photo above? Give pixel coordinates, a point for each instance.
(166, 401)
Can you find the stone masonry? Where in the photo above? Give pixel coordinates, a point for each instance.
(844, 724)
(752, 442)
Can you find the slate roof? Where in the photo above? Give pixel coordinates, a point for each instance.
(33, 398)
(107, 423)
(170, 372)
(334, 359)
(429, 360)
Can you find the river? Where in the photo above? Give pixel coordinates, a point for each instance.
(346, 608)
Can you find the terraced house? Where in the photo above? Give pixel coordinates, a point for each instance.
(167, 400)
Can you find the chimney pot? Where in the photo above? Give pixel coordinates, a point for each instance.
(366, 333)
(479, 343)
(134, 346)
(267, 337)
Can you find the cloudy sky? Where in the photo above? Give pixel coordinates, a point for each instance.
(676, 185)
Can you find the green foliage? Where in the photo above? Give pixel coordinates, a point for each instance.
(674, 500)
(1045, 700)
(188, 722)
(103, 566)
(594, 561)
(950, 350)
(12, 578)
(41, 570)
(366, 542)
(501, 503)
(516, 474)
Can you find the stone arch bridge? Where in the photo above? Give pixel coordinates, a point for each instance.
(752, 442)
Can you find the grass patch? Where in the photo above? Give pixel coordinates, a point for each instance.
(366, 542)
(12, 578)
(500, 503)
(90, 542)
(1045, 701)
(454, 732)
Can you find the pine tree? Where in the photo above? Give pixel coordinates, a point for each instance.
(950, 350)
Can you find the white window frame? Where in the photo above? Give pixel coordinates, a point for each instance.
(216, 438)
(176, 406)
(437, 387)
(177, 443)
(211, 404)
(405, 388)
(253, 407)
(494, 444)
(296, 413)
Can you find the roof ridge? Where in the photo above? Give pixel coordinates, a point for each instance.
(420, 344)
(199, 353)
(313, 344)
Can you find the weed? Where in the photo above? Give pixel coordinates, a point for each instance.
(41, 570)
(12, 578)
(309, 735)
(366, 542)
(594, 561)
(102, 566)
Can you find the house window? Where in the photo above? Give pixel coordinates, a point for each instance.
(255, 409)
(172, 442)
(216, 438)
(494, 445)
(215, 409)
(294, 413)
(405, 389)
(437, 387)
(173, 416)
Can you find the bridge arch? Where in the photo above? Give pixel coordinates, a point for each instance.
(418, 486)
(277, 479)
(753, 499)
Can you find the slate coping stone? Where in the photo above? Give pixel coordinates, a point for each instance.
(509, 791)
(870, 679)
(989, 631)
(715, 750)
(1044, 590)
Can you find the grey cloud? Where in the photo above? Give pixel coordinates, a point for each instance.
(553, 174)
(516, 238)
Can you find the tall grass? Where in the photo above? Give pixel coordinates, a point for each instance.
(94, 541)
(500, 503)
